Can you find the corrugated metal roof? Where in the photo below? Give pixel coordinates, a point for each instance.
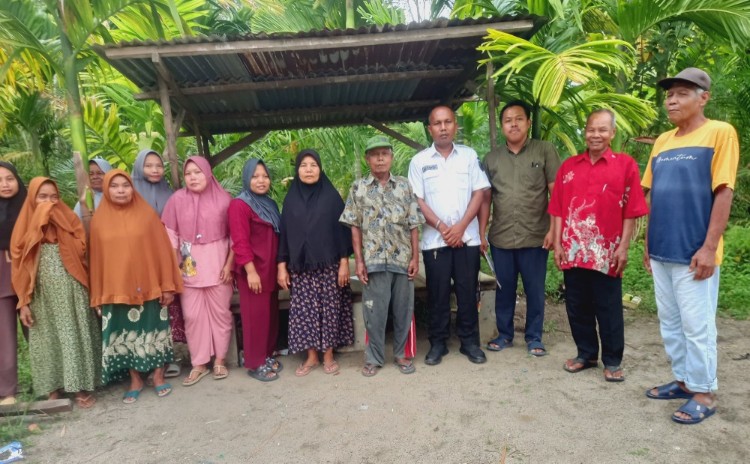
(315, 78)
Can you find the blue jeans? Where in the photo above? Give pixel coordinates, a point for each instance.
(531, 264)
(687, 316)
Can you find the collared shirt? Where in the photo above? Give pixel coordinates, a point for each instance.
(446, 185)
(386, 214)
(593, 202)
(520, 193)
(683, 173)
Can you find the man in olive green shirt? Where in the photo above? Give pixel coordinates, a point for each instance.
(522, 173)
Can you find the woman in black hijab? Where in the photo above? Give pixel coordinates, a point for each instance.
(12, 196)
(313, 258)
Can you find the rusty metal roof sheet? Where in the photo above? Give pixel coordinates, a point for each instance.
(316, 78)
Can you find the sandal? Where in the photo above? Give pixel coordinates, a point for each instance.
(274, 364)
(331, 367)
(220, 372)
(499, 344)
(305, 369)
(536, 349)
(669, 391)
(264, 373)
(406, 366)
(190, 380)
(584, 364)
(369, 369)
(612, 370)
(85, 402)
(698, 412)
(131, 396)
(163, 390)
(173, 370)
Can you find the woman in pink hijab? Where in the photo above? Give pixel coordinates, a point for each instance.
(196, 221)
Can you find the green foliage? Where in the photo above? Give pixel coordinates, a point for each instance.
(734, 291)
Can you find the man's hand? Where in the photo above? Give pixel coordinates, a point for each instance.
(453, 235)
(361, 272)
(619, 260)
(413, 268)
(484, 245)
(703, 263)
(549, 239)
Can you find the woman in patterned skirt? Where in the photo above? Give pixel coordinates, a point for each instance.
(134, 277)
(313, 259)
(149, 182)
(49, 276)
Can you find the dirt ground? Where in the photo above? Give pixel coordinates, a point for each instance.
(513, 409)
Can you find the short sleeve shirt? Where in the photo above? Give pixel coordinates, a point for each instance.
(520, 193)
(446, 185)
(682, 174)
(593, 202)
(386, 214)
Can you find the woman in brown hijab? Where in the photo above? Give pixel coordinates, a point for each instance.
(50, 278)
(134, 277)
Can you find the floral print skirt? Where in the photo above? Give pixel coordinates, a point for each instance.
(134, 337)
(320, 312)
(64, 340)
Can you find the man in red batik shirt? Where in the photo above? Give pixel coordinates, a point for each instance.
(595, 203)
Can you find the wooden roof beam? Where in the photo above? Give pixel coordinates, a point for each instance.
(400, 137)
(305, 82)
(314, 43)
(343, 110)
(234, 148)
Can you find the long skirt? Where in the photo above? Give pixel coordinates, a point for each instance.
(176, 321)
(260, 323)
(208, 321)
(320, 312)
(8, 346)
(65, 340)
(134, 337)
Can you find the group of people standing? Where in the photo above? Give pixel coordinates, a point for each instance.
(148, 244)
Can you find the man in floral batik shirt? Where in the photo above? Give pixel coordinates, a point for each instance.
(384, 217)
(595, 203)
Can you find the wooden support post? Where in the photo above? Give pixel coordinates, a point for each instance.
(166, 106)
(401, 138)
(492, 105)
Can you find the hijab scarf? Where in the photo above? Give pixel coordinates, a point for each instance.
(311, 235)
(199, 217)
(132, 260)
(263, 205)
(10, 207)
(45, 222)
(155, 194)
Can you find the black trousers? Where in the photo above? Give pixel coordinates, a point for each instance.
(592, 297)
(460, 265)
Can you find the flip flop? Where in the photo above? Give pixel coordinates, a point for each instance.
(163, 390)
(585, 364)
(499, 344)
(407, 368)
(369, 369)
(304, 369)
(131, 396)
(331, 368)
(669, 391)
(697, 412)
(201, 373)
(613, 370)
(220, 372)
(173, 370)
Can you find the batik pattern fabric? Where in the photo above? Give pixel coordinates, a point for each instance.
(134, 337)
